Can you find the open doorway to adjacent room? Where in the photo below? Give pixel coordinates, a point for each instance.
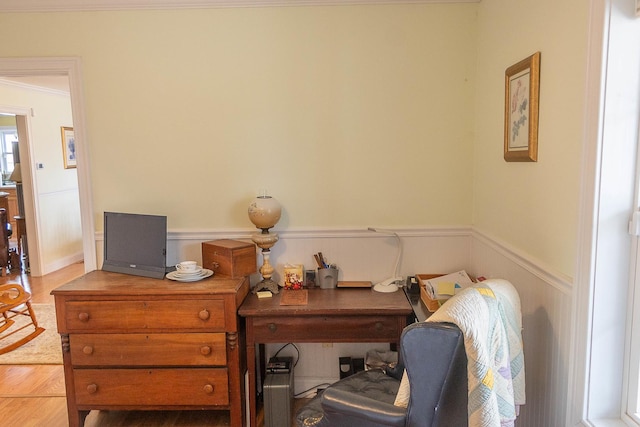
(57, 205)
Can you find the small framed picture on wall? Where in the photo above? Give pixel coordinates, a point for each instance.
(68, 147)
(522, 89)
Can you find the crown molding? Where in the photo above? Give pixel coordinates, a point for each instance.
(100, 5)
(43, 89)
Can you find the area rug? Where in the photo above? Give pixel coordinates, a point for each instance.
(45, 349)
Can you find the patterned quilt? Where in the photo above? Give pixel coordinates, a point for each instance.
(490, 318)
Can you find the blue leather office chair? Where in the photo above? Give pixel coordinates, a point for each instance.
(436, 364)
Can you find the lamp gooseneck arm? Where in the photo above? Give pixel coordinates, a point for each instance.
(396, 270)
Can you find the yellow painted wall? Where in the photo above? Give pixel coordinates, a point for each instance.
(8, 121)
(386, 115)
(350, 116)
(532, 206)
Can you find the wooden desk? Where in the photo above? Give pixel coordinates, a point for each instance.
(331, 315)
(131, 342)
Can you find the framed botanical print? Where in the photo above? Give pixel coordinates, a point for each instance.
(68, 147)
(522, 89)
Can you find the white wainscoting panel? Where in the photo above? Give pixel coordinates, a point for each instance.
(360, 254)
(60, 232)
(546, 312)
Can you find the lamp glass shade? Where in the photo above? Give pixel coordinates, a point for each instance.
(16, 175)
(264, 212)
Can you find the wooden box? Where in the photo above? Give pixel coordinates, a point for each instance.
(431, 304)
(229, 258)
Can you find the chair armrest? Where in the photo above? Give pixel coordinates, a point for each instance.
(359, 411)
(395, 371)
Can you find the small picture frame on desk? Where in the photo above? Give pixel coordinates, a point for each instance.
(310, 279)
(294, 276)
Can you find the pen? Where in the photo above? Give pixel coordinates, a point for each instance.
(322, 260)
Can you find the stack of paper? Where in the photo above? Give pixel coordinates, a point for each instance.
(444, 287)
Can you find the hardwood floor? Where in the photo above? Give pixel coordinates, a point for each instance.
(34, 395)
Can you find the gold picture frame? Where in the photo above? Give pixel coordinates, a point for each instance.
(522, 90)
(68, 147)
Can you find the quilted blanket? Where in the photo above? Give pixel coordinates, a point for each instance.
(489, 316)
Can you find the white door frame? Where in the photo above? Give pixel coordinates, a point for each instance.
(71, 67)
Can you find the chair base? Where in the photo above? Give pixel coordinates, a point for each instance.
(12, 298)
(22, 341)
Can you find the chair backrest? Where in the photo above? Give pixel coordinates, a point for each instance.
(436, 365)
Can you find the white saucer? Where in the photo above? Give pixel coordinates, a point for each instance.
(179, 277)
(198, 272)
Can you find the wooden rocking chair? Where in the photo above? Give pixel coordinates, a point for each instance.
(12, 297)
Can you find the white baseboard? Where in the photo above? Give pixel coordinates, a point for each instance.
(63, 262)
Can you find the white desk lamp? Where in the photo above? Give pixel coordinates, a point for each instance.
(391, 284)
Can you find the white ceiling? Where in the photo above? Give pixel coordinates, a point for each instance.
(84, 5)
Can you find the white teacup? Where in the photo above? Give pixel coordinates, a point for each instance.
(187, 266)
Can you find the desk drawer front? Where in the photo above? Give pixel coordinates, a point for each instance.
(148, 349)
(151, 387)
(333, 328)
(136, 316)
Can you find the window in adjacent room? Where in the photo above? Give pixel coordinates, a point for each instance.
(8, 135)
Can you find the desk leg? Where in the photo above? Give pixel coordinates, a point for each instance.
(251, 370)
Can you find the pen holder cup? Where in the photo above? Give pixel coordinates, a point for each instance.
(327, 278)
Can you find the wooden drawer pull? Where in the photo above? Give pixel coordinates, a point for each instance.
(92, 388)
(84, 317)
(208, 388)
(87, 350)
(205, 350)
(378, 326)
(272, 327)
(204, 314)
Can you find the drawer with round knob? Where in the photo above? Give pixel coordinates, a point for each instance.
(151, 387)
(141, 316)
(149, 349)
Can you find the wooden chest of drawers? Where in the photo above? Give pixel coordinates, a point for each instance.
(131, 342)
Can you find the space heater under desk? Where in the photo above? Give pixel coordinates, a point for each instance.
(278, 392)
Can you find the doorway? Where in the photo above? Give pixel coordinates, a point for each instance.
(40, 67)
